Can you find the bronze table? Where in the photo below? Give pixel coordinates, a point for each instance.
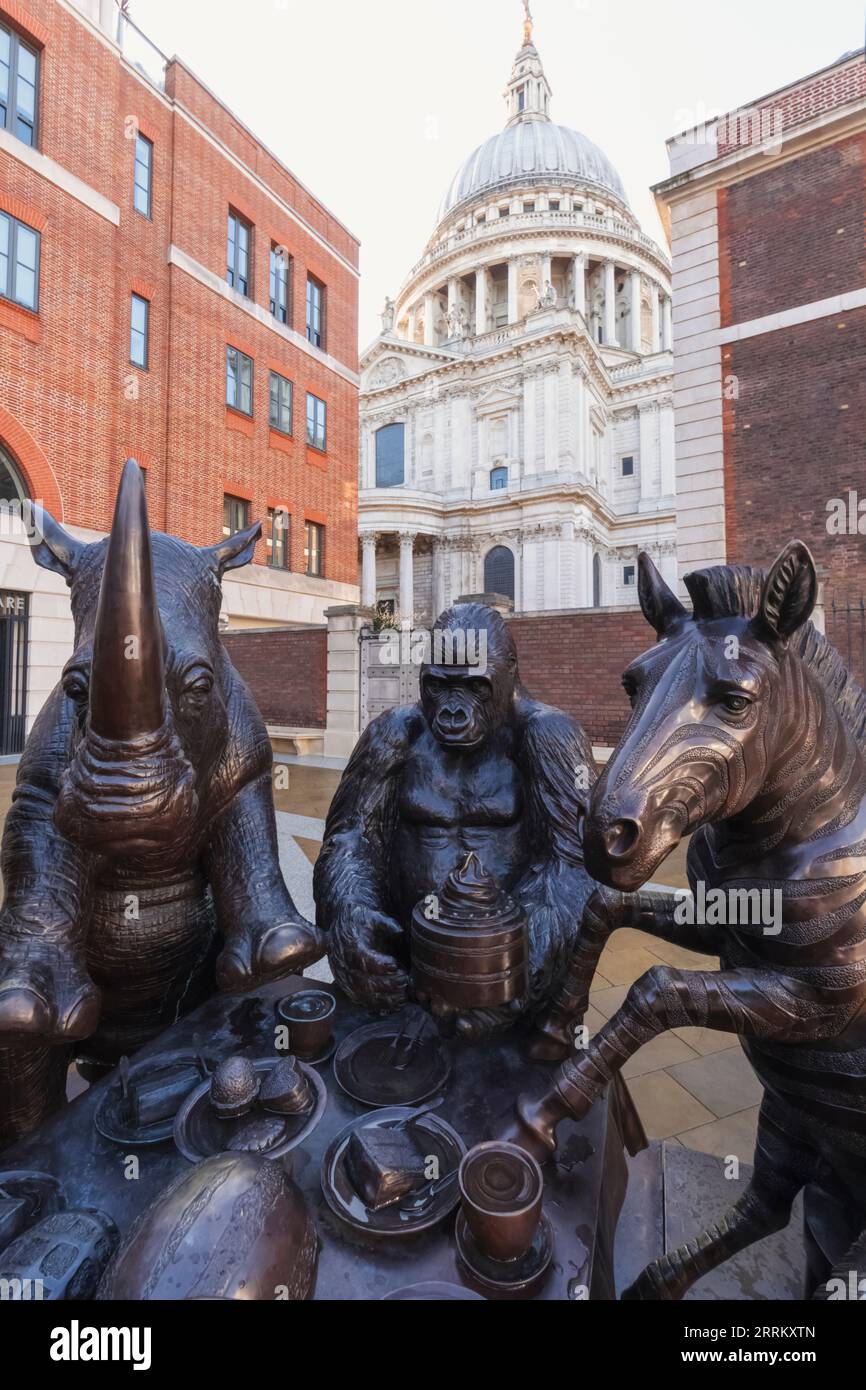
(584, 1187)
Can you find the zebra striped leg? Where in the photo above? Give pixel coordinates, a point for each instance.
(782, 1169)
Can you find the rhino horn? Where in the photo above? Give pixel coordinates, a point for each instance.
(127, 684)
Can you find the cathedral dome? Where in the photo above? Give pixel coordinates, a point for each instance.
(529, 151)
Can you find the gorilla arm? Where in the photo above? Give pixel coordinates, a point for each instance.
(555, 759)
(350, 882)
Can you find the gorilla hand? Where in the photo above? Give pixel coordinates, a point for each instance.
(362, 957)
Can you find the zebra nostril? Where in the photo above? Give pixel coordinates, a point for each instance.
(621, 838)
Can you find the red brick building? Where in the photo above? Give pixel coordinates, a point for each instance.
(168, 291)
(766, 210)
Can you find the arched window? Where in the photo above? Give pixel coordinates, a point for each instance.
(499, 571)
(390, 456)
(498, 479)
(596, 581)
(12, 485)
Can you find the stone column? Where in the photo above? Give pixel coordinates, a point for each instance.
(530, 423)
(453, 294)
(407, 575)
(579, 283)
(481, 283)
(667, 447)
(583, 568)
(369, 540)
(648, 425)
(440, 602)
(634, 333)
(413, 323)
(512, 291)
(429, 320)
(343, 718)
(667, 325)
(655, 333)
(609, 331)
(546, 272)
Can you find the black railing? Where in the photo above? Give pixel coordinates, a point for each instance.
(845, 621)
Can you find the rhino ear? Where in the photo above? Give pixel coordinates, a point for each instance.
(52, 547)
(234, 552)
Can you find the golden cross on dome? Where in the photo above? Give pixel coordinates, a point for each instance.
(527, 23)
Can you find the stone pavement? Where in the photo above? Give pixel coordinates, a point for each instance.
(692, 1086)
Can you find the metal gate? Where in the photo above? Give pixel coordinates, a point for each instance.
(845, 623)
(14, 625)
(384, 686)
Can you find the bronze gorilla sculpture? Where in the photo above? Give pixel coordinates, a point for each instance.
(475, 766)
(140, 856)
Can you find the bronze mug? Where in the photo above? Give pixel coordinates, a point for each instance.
(503, 1190)
(310, 1016)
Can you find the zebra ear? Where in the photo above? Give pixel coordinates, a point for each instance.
(789, 594)
(660, 605)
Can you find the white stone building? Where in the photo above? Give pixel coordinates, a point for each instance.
(517, 409)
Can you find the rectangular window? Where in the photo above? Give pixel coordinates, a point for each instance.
(139, 331)
(19, 75)
(628, 578)
(316, 423)
(315, 312)
(239, 380)
(278, 541)
(280, 408)
(236, 515)
(142, 175)
(281, 271)
(628, 466)
(314, 549)
(19, 262)
(238, 253)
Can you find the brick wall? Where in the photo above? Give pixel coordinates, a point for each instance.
(74, 407)
(781, 111)
(794, 440)
(286, 671)
(794, 234)
(575, 661)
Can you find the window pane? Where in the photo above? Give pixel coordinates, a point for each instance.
(138, 331)
(231, 377)
(26, 93)
(143, 166)
(5, 54)
(390, 456)
(26, 252)
(246, 401)
(4, 254)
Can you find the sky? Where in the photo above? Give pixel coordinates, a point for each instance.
(375, 104)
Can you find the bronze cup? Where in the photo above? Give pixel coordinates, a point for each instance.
(502, 1190)
(310, 1016)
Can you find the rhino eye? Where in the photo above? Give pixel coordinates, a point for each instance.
(202, 684)
(75, 688)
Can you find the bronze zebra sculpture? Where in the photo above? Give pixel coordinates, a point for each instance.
(747, 733)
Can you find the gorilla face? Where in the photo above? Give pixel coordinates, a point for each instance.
(460, 708)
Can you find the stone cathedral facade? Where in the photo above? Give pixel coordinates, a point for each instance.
(517, 428)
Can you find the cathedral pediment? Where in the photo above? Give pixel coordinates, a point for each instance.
(391, 360)
(495, 401)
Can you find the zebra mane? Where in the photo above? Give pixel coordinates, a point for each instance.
(734, 591)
